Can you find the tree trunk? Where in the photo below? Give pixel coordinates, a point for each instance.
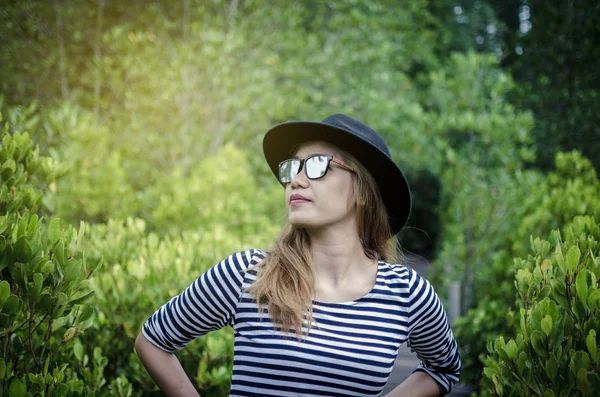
(97, 60)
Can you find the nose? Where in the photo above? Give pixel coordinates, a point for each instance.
(300, 180)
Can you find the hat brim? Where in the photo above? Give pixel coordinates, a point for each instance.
(280, 142)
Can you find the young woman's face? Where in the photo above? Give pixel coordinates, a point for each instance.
(319, 203)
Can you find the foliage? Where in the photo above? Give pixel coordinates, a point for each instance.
(142, 272)
(154, 112)
(557, 76)
(45, 288)
(220, 195)
(536, 207)
(472, 25)
(554, 351)
(483, 139)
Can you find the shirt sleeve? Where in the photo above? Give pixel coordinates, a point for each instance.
(208, 304)
(430, 335)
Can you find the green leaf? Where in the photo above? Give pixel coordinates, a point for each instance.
(549, 393)
(86, 313)
(22, 230)
(573, 255)
(582, 286)
(48, 267)
(33, 221)
(511, 349)
(544, 292)
(86, 318)
(552, 367)
(8, 169)
(78, 349)
(4, 320)
(59, 254)
(71, 269)
(80, 235)
(4, 291)
(17, 388)
(38, 379)
(54, 231)
(3, 223)
(547, 325)
(2, 244)
(11, 305)
(582, 382)
(61, 390)
(38, 282)
(2, 368)
(579, 360)
(590, 342)
(46, 303)
(80, 298)
(558, 255)
(594, 379)
(22, 250)
(522, 362)
(538, 341)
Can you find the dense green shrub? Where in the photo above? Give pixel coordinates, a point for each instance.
(200, 219)
(220, 194)
(554, 351)
(142, 272)
(45, 288)
(534, 205)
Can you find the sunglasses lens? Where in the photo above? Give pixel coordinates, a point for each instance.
(288, 170)
(316, 166)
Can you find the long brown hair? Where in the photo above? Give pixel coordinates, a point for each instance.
(285, 280)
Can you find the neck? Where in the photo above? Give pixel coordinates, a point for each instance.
(338, 258)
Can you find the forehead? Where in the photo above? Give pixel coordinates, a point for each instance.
(308, 148)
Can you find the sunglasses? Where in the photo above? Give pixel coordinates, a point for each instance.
(315, 167)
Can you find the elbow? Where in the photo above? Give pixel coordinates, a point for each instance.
(140, 343)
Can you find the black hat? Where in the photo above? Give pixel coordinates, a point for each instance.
(362, 142)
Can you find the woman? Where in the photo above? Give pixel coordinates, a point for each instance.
(325, 311)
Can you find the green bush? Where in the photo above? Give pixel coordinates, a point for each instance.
(45, 289)
(554, 351)
(142, 272)
(193, 221)
(535, 205)
(220, 194)
(200, 219)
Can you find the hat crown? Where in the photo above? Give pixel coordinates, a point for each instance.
(359, 129)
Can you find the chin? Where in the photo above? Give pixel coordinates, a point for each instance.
(302, 222)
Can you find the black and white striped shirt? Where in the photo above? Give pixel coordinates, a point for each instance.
(351, 347)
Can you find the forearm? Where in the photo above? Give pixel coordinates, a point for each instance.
(164, 368)
(419, 384)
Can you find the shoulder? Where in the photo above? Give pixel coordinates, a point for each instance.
(244, 260)
(405, 278)
(399, 273)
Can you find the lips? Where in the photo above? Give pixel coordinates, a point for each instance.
(296, 198)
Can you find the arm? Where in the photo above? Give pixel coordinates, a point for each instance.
(164, 368)
(206, 305)
(419, 384)
(431, 338)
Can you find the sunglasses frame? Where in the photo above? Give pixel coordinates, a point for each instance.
(329, 158)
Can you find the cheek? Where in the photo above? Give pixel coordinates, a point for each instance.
(344, 194)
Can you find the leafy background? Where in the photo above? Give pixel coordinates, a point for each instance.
(139, 126)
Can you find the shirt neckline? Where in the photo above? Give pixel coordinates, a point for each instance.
(368, 295)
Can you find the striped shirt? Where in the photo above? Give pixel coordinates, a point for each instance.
(351, 347)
